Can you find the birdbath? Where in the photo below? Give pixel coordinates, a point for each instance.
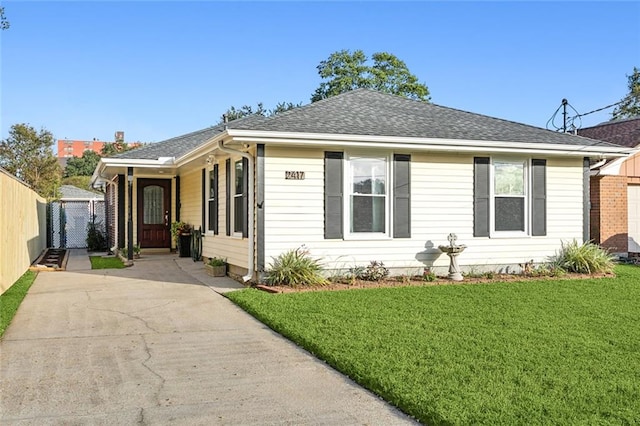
(453, 250)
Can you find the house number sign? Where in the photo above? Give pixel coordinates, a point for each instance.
(294, 175)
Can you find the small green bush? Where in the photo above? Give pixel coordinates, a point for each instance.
(295, 267)
(217, 261)
(376, 271)
(587, 258)
(428, 275)
(96, 236)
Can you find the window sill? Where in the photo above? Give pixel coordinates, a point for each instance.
(509, 235)
(367, 237)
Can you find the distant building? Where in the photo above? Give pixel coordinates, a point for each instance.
(75, 148)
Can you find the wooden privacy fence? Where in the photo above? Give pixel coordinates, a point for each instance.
(23, 228)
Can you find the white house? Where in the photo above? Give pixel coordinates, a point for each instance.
(359, 177)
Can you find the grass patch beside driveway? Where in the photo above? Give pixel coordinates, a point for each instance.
(10, 300)
(538, 352)
(99, 262)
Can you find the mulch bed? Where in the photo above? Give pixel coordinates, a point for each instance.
(404, 282)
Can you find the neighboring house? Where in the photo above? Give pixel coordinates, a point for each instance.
(359, 177)
(615, 188)
(71, 214)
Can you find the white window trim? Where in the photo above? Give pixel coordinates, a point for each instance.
(346, 216)
(233, 195)
(527, 199)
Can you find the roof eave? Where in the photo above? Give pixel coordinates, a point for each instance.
(112, 163)
(423, 144)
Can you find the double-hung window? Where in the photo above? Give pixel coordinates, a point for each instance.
(509, 197)
(367, 196)
(368, 202)
(238, 193)
(213, 199)
(236, 197)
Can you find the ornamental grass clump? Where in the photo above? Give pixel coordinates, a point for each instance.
(295, 268)
(587, 258)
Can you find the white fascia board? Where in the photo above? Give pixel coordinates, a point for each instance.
(426, 144)
(613, 168)
(105, 163)
(137, 162)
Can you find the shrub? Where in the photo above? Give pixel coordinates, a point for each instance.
(428, 275)
(587, 258)
(376, 271)
(217, 261)
(96, 236)
(294, 268)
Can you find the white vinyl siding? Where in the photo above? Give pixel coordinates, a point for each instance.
(441, 203)
(232, 248)
(190, 198)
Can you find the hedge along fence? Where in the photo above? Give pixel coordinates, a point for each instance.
(23, 228)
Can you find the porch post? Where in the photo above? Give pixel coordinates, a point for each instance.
(130, 214)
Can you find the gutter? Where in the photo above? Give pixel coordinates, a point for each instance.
(428, 144)
(250, 259)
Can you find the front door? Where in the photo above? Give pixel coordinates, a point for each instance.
(154, 206)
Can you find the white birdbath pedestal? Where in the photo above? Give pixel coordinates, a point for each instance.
(453, 250)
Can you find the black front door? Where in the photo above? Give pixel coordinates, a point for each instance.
(154, 217)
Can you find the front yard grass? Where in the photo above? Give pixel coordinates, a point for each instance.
(537, 352)
(99, 262)
(10, 300)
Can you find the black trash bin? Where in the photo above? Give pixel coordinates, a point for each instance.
(184, 245)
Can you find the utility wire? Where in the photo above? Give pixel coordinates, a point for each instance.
(601, 109)
(569, 122)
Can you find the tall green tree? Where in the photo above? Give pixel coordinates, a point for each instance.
(27, 154)
(4, 23)
(629, 105)
(234, 113)
(113, 148)
(344, 71)
(82, 166)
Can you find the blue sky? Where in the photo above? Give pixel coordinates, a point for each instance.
(161, 69)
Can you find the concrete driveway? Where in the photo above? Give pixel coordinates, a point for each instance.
(152, 344)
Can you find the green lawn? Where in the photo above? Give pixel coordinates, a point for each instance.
(99, 262)
(11, 299)
(539, 352)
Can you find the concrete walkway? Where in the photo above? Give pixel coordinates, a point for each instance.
(151, 344)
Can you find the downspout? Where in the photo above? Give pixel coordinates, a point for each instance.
(250, 161)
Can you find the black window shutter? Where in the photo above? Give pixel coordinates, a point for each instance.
(213, 203)
(401, 196)
(245, 197)
(481, 201)
(539, 197)
(228, 196)
(204, 197)
(333, 185)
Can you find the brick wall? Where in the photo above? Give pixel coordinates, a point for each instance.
(609, 212)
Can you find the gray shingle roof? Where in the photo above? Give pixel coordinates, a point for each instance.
(620, 132)
(181, 145)
(73, 192)
(367, 112)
